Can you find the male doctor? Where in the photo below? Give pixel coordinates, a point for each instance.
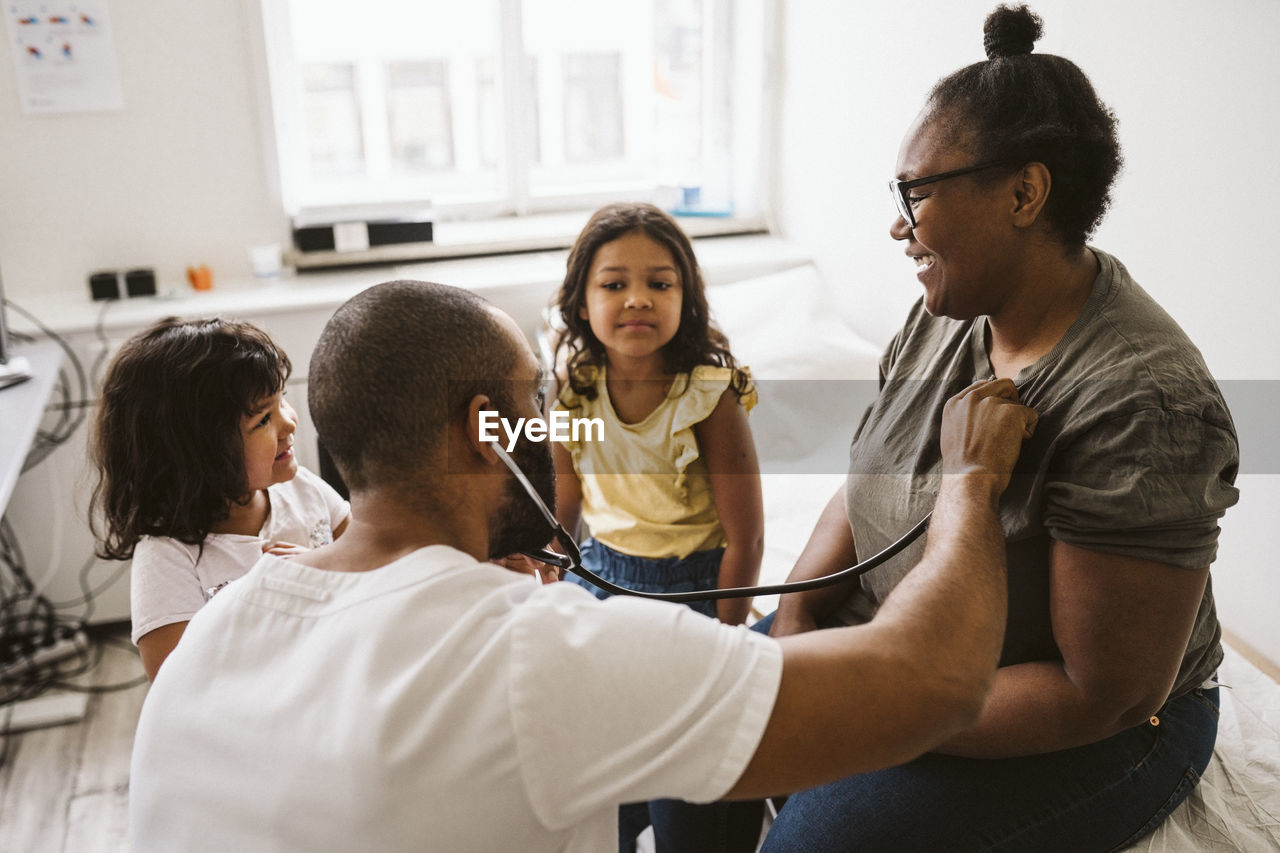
(397, 691)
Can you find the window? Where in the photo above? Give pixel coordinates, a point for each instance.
(333, 114)
(496, 107)
(419, 117)
(592, 108)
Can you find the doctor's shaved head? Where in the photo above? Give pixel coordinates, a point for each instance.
(393, 366)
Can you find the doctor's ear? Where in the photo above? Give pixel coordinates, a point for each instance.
(482, 422)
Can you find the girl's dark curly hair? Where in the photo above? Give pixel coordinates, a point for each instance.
(1020, 107)
(167, 441)
(697, 340)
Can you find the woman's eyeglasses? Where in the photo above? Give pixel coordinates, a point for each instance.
(899, 189)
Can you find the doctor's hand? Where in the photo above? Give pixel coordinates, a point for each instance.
(283, 549)
(983, 428)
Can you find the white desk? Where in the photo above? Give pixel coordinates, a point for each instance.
(21, 407)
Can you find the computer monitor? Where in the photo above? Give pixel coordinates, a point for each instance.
(13, 368)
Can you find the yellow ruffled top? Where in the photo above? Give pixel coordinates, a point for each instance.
(645, 488)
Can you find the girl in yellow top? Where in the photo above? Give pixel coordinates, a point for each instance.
(671, 495)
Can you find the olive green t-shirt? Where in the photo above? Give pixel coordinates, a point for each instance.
(1135, 454)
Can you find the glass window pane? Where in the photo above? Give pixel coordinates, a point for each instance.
(629, 95)
(592, 107)
(419, 116)
(421, 121)
(332, 114)
(489, 111)
(408, 99)
(678, 70)
(488, 115)
(534, 111)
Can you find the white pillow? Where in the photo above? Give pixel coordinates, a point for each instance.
(782, 326)
(815, 375)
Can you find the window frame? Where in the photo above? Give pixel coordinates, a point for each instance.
(751, 171)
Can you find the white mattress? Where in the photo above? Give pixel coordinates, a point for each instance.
(1236, 806)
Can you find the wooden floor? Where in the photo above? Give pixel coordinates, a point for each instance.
(65, 789)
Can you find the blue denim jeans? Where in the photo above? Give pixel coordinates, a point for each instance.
(698, 571)
(678, 826)
(1103, 796)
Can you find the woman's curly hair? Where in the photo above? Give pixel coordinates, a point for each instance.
(1022, 107)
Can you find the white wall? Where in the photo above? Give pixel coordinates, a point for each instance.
(175, 179)
(1194, 85)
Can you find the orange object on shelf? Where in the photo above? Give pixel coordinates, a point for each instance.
(201, 277)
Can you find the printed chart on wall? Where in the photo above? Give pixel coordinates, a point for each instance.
(64, 56)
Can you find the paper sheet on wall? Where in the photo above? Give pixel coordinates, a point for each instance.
(64, 56)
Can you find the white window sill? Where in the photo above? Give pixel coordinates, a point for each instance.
(532, 233)
(526, 277)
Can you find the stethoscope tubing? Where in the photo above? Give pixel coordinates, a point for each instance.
(571, 559)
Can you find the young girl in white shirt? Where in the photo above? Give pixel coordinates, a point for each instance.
(193, 443)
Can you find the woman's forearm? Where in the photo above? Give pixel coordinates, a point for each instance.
(830, 548)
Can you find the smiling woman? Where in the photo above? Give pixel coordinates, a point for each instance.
(1111, 521)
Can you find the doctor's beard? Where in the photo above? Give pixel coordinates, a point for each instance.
(521, 526)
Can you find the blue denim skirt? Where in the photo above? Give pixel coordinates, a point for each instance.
(698, 571)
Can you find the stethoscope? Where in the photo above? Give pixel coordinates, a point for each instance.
(571, 559)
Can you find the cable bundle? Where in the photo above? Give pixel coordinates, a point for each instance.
(40, 646)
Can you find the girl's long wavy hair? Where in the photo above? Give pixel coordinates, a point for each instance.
(167, 438)
(697, 340)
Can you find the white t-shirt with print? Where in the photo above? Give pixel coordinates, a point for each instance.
(170, 580)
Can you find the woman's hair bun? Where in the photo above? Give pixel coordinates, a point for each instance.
(1011, 31)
